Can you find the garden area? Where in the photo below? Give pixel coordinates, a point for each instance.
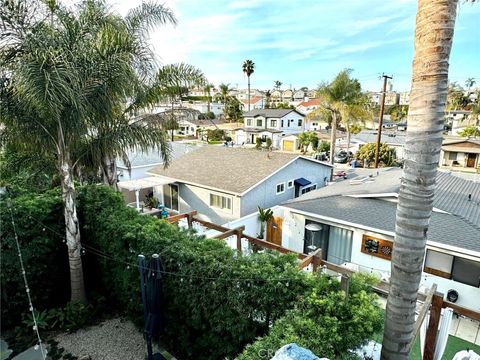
(216, 303)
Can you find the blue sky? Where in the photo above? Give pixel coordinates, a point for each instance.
(302, 43)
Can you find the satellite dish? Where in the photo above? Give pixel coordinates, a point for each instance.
(313, 227)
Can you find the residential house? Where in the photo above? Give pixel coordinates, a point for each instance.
(299, 95)
(216, 107)
(243, 94)
(256, 102)
(275, 97)
(404, 98)
(461, 154)
(307, 106)
(140, 163)
(225, 183)
(287, 96)
(353, 222)
(269, 123)
(393, 139)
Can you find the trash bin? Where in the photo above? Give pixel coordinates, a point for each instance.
(354, 164)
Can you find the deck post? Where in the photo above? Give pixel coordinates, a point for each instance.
(431, 336)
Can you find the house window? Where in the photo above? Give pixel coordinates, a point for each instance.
(281, 124)
(259, 122)
(453, 267)
(452, 156)
(280, 188)
(308, 188)
(249, 122)
(290, 184)
(273, 123)
(220, 202)
(299, 122)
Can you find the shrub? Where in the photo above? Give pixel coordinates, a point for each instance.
(216, 134)
(387, 154)
(258, 143)
(325, 322)
(44, 255)
(210, 315)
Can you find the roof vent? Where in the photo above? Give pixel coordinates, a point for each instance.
(469, 197)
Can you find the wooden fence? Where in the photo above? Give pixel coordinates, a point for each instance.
(433, 300)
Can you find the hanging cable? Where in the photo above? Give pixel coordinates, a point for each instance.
(27, 288)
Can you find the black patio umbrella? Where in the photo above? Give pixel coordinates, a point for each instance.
(152, 297)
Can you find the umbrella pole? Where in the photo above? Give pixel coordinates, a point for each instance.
(147, 336)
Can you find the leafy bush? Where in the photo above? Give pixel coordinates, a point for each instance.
(44, 255)
(326, 322)
(387, 154)
(210, 315)
(216, 134)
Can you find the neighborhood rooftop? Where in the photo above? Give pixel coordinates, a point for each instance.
(230, 169)
(269, 113)
(451, 193)
(379, 214)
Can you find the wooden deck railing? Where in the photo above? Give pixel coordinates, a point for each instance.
(435, 302)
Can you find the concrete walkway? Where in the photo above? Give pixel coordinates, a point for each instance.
(466, 329)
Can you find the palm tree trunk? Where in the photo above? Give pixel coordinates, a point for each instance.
(349, 135)
(72, 227)
(333, 136)
(109, 169)
(433, 41)
(248, 77)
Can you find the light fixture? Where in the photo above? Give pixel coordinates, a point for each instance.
(313, 227)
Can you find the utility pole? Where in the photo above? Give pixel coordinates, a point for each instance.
(380, 118)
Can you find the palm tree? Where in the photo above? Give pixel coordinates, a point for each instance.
(61, 76)
(433, 41)
(341, 99)
(264, 216)
(224, 89)
(278, 85)
(268, 95)
(469, 83)
(248, 68)
(207, 91)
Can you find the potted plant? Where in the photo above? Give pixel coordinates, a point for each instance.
(264, 215)
(151, 201)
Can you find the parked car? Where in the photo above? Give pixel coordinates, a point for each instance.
(341, 157)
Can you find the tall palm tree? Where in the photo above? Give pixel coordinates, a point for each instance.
(61, 76)
(433, 41)
(341, 99)
(469, 83)
(224, 89)
(278, 85)
(248, 68)
(207, 91)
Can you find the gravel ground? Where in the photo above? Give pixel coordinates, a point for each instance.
(114, 339)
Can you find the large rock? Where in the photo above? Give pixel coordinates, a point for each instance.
(295, 352)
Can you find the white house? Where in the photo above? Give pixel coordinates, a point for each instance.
(225, 183)
(353, 222)
(394, 139)
(269, 123)
(256, 102)
(216, 107)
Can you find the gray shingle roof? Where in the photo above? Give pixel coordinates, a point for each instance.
(451, 193)
(391, 138)
(269, 113)
(153, 157)
(380, 214)
(230, 169)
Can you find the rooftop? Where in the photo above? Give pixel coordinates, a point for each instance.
(451, 194)
(269, 113)
(391, 138)
(380, 214)
(233, 170)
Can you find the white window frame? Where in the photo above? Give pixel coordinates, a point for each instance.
(311, 187)
(282, 191)
(261, 123)
(290, 184)
(228, 199)
(272, 123)
(249, 122)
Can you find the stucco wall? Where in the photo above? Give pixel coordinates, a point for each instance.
(264, 195)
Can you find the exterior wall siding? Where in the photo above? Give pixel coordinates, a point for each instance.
(265, 196)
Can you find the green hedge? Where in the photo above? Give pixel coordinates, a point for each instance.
(217, 302)
(326, 322)
(210, 313)
(44, 255)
